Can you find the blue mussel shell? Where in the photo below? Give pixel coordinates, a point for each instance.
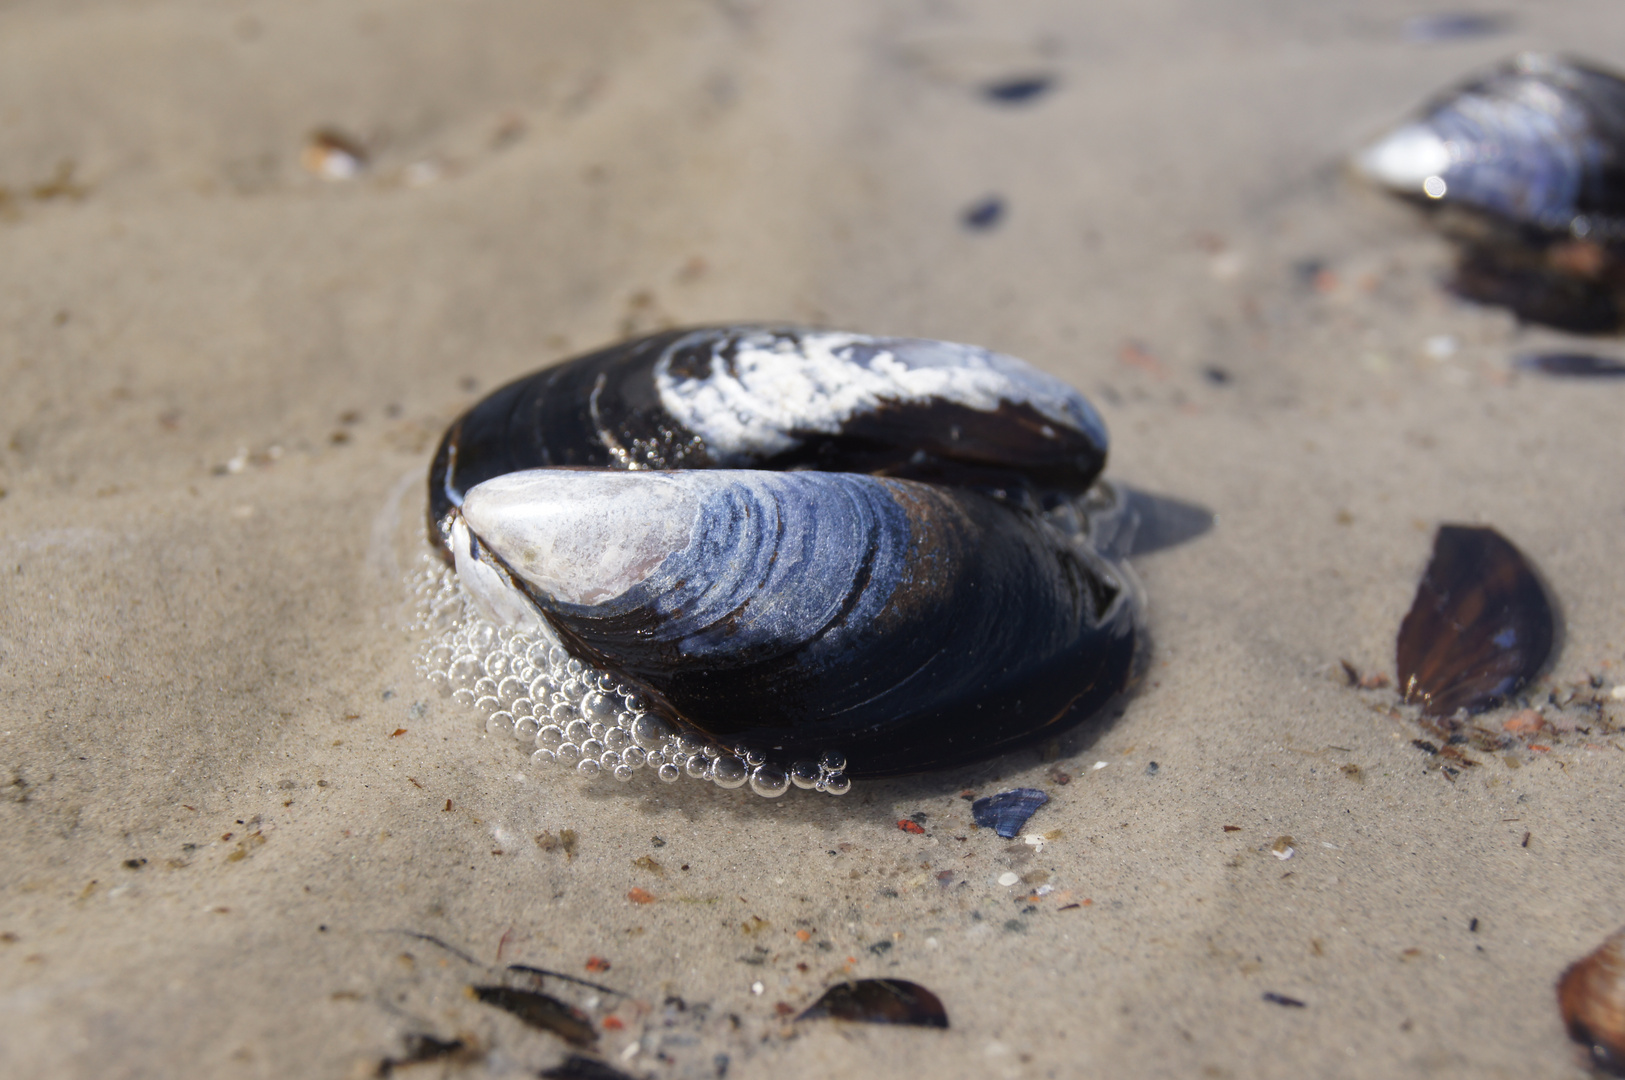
(795, 542)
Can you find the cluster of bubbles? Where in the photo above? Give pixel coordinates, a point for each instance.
(563, 711)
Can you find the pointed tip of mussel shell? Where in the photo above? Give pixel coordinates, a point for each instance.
(1591, 998)
(1006, 812)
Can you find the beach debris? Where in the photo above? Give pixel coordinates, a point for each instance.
(879, 1001)
(910, 826)
(733, 662)
(421, 1048)
(1006, 812)
(1523, 167)
(540, 1011)
(983, 214)
(1446, 26)
(1019, 90)
(581, 1067)
(1281, 999)
(1571, 365)
(332, 155)
(1283, 848)
(1591, 998)
(1480, 627)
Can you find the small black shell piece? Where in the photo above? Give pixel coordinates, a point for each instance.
(1480, 627)
(1006, 812)
(879, 1001)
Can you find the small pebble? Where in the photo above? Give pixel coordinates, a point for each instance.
(1008, 878)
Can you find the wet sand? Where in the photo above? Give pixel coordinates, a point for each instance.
(231, 801)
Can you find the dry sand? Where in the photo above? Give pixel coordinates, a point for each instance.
(229, 793)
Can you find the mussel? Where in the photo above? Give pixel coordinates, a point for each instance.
(1524, 167)
(782, 556)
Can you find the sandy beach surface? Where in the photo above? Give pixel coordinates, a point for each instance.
(236, 821)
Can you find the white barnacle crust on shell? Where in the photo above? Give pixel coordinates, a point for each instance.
(769, 392)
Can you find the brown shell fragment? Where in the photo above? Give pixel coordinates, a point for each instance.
(879, 1001)
(1480, 627)
(1591, 997)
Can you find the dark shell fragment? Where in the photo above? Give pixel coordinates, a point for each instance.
(1480, 627)
(879, 1001)
(1006, 812)
(581, 1067)
(540, 1011)
(1591, 998)
(1572, 365)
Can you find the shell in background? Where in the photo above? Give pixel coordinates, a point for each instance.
(1591, 997)
(1524, 167)
(1537, 144)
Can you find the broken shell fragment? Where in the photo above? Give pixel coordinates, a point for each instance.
(1480, 627)
(1006, 812)
(879, 1001)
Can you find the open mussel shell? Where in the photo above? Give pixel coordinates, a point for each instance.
(1480, 627)
(912, 626)
(783, 557)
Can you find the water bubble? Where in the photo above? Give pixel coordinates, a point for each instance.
(485, 688)
(562, 713)
(557, 657)
(538, 655)
(591, 748)
(487, 704)
(623, 773)
(464, 671)
(804, 774)
(578, 731)
(609, 759)
(599, 731)
(650, 731)
(525, 728)
(729, 772)
(496, 665)
(463, 696)
(549, 735)
(669, 773)
(574, 667)
(599, 707)
(830, 761)
(633, 756)
(836, 784)
(588, 766)
(522, 708)
(568, 752)
(754, 758)
(616, 739)
(499, 723)
(769, 781)
(510, 690)
(543, 757)
(542, 688)
(697, 767)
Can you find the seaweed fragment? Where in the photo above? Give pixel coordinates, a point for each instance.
(879, 1001)
(1480, 627)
